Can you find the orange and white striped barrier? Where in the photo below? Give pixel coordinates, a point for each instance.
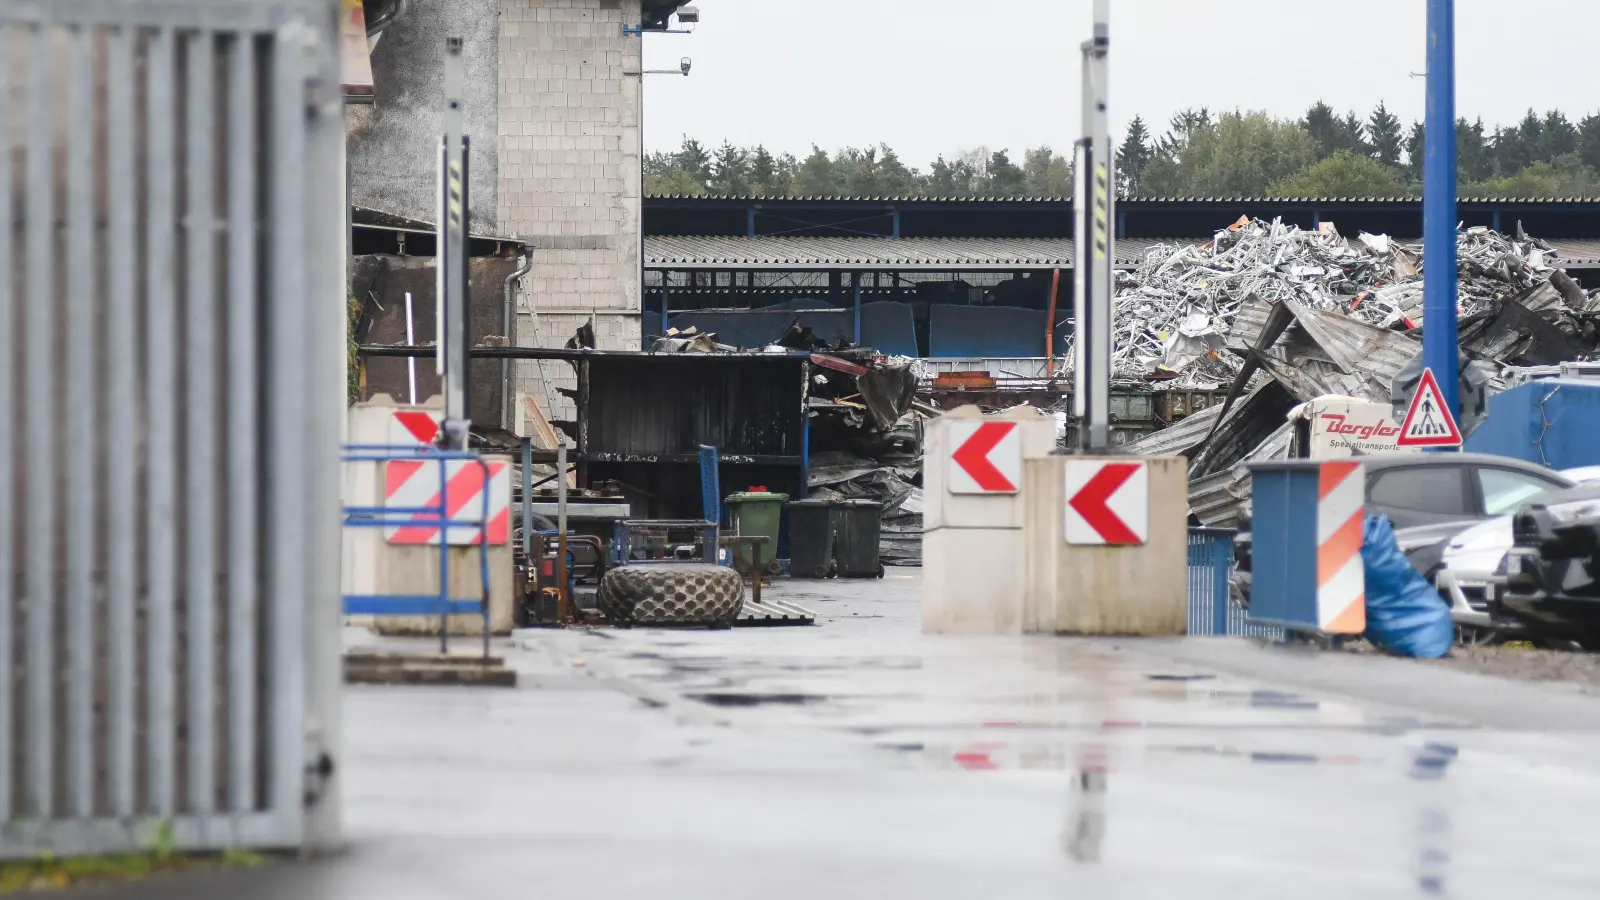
(1341, 582)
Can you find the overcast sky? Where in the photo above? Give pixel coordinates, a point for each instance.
(935, 76)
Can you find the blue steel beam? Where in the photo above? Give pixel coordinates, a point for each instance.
(1439, 341)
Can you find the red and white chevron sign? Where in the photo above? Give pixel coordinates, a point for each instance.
(415, 483)
(1108, 502)
(986, 457)
(413, 426)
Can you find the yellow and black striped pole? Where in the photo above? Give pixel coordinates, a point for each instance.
(452, 252)
(1094, 199)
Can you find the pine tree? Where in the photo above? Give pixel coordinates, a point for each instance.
(1474, 162)
(1353, 135)
(1005, 177)
(1589, 141)
(1557, 137)
(763, 173)
(1385, 135)
(1416, 146)
(1323, 124)
(730, 171)
(815, 177)
(1133, 157)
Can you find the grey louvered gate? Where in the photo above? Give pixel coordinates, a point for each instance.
(171, 387)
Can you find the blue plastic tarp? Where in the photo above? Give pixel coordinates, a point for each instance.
(1405, 615)
(976, 332)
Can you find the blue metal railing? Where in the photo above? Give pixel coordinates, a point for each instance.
(1211, 612)
(434, 516)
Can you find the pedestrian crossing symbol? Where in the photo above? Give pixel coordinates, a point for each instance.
(1429, 422)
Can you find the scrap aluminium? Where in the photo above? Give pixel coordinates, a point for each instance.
(1279, 316)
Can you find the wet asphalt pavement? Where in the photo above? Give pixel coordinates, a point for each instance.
(860, 758)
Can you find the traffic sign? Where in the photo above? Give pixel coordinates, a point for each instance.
(1429, 422)
(1108, 502)
(987, 458)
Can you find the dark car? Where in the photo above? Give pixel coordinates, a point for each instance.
(1448, 490)
(1553, 573)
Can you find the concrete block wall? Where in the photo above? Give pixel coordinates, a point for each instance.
(571, 185)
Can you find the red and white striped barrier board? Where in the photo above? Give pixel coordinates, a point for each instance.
(1341, 583)
(414, 426)
(415, 483)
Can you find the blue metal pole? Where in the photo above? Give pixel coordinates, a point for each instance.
(855, 288)
(1439, 342)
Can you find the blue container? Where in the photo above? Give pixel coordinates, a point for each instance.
(1552, 423)
(1283, 531)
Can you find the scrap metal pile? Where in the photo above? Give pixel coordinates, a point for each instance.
(1173, 314)
(1280, 316)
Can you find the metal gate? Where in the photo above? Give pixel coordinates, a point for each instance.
(171, 388)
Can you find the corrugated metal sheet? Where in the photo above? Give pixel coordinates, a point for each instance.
(929, 254)
(1179, 438)
(999, 367)
(1217, 500)
(1356, 347)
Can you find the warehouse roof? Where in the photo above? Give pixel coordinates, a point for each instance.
(928, 254)
(902, 254)
(1407, 200)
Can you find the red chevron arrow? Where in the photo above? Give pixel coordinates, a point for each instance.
(973, 456)
(1090, 502)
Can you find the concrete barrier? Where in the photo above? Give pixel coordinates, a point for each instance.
(972, 542)
(1106, 551)
(374, 566)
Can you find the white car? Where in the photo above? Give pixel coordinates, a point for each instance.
(1471, 570)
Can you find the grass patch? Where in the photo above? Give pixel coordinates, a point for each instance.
(160, 858)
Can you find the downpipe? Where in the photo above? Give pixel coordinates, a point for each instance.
(513, 281)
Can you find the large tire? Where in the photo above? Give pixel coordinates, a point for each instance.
(672, 594)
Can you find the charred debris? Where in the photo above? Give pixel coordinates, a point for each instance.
(865, 428)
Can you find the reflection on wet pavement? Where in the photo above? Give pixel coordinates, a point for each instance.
(1064, 767)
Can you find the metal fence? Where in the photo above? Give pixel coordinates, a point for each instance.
(170, 368)
(1211, 612)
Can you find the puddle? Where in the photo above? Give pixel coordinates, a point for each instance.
(745, 700)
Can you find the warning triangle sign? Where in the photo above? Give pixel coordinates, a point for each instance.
(1429, 422)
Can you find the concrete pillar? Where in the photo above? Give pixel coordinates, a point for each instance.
(972, 543)
(1074, 587)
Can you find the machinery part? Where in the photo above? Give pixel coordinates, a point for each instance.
(672, 594)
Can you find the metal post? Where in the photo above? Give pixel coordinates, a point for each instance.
(1094, 245)
(1439, 340)
(563, 609)
(453, 253)
(527, 501)
(855, 287)
(665, 302)
(411, 361)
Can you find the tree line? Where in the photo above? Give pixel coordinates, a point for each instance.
(1201, 154)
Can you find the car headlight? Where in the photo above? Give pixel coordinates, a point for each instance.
(1566, 513)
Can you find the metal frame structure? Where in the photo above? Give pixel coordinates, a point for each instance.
(203, 503)
(432, 516)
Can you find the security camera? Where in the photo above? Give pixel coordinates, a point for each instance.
(684, 64)
(689, 15)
